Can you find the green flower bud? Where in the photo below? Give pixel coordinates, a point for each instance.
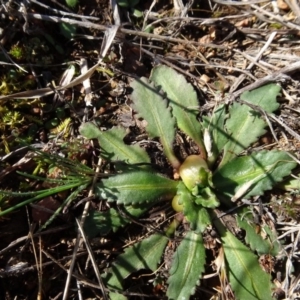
(194, 172)
(175, 204)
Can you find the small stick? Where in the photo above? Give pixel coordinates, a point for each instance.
(93, 260)
(107, 41)
(258, 56)
(240, 3)
(64, 13)
(121, 30)
(276, 76)
(275, 17)
(294, 6)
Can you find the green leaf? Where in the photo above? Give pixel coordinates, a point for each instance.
(151, 106)
(246, 277)
(61, 51)
(67, 30)
(112, 144)
(72, 3)
(133, 2)
(143, 255)
(207, 198)
(101, 223)
(197, 215)
(137, 13)
(127, 3)
(266, 244)
(245, 125)
(136, 187)
(123, 3)
(187, 267)
(183, 100)
(255, 174)
(290, 184)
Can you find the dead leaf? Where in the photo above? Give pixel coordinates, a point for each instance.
(44, 209)
(282, 5)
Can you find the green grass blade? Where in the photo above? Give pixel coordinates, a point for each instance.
(42, 195)
(70, 198)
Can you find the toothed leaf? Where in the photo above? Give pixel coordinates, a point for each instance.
(187, 267)
(257, 173)
(245, 125)
(102, 222)
(143, 255)
(197, 215)
(246, 277)
(113, 146)
(263, 242)
(136, 187)
(151, 106)
(182, 98)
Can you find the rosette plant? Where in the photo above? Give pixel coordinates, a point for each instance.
(218, 176)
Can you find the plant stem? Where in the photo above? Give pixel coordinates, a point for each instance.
(174, 224)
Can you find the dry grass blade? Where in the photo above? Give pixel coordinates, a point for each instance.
(178, 7)
(242, 3)
(286, 127)
(30, 94)
(9, 58)
(49, 90)
(294, 5)
(256, 63)
(109, 37)
(78, 239)
(92, 257)
(86, 83)
(38, 262)
(274, 17)
(78, 277)
(115, 11)
(276, 76)
(258, 56)
(64, 13)
(87, 24)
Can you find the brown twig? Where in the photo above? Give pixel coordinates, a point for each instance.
(280, 75)
(241, 78)
(121, 30)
